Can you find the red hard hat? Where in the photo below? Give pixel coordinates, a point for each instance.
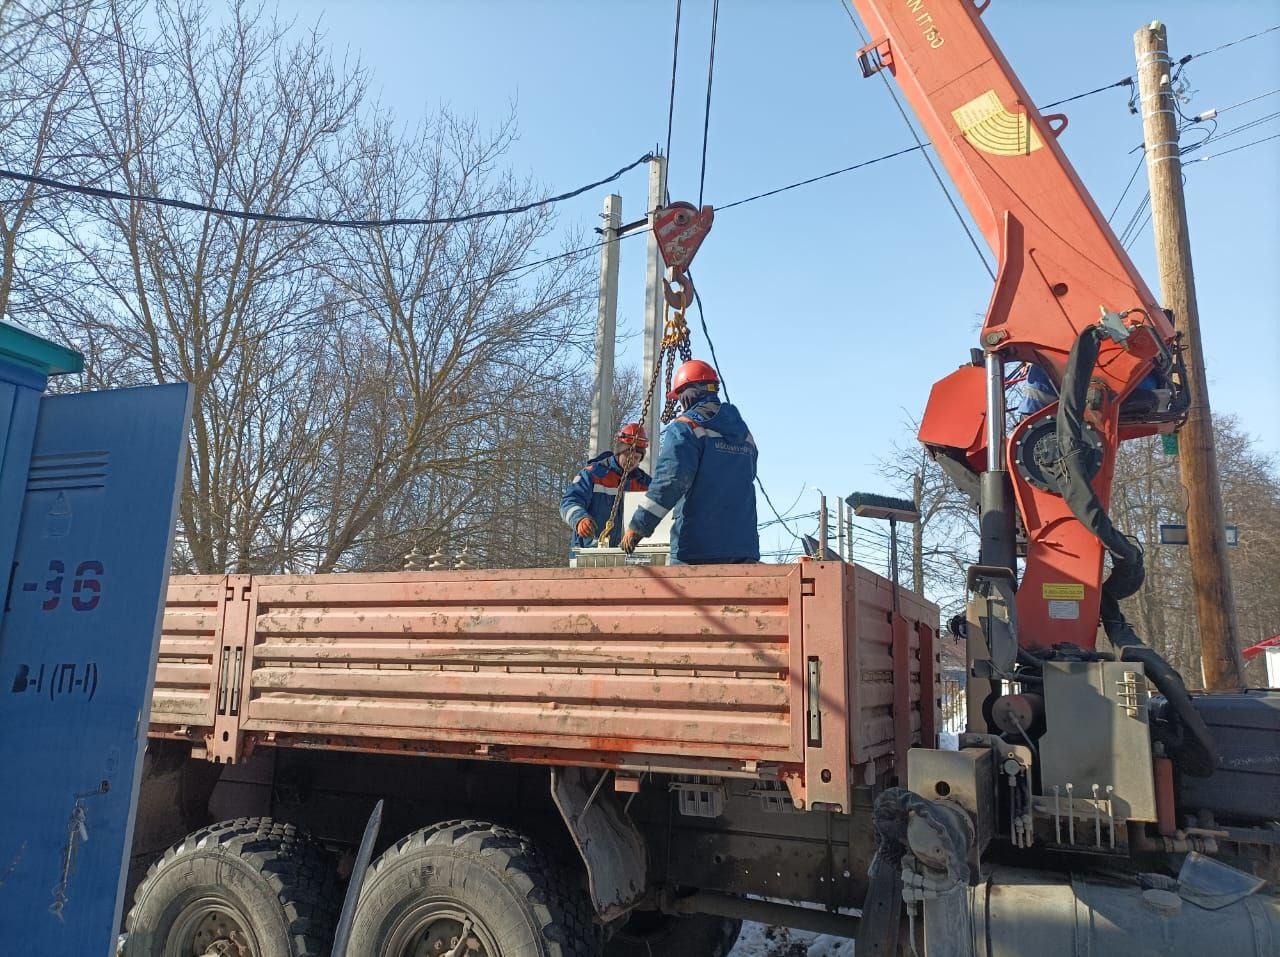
(691, 373)
(633, 434)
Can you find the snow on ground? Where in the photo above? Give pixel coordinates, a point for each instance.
(760, 940)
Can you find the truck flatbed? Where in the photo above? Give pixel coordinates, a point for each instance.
(782, 672)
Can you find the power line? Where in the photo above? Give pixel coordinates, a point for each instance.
(915, 136)
(1136, 169)
(476, 280)
(1126, 81)
(1138, 221)
(815, 179)
(1129, 80)
(279, 218)
(1251, 36)
(1252, 99)
(671, 102)
(724, 387)
(706, 114)
(773, 508)
(1242, 128)
(1235, 149)
(522, 267)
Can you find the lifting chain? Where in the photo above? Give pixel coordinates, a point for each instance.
(675, 342)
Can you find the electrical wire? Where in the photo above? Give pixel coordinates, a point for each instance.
(1127, 186)
(1252, 99)
(815, 179)
(671, 102)
(724, 389)
(773, 508)
(1130, 82)
(1242, 128)
(535, 264)
(476, 280)
(1251, 36)
(282, 219)
(914, 135)
(1127, 81)
(706, 114)
(1138, 222)
(1235, 149)
(1134, 218)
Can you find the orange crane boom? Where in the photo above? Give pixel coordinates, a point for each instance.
(1061, 267)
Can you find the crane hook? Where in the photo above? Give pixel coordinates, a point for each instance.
(678, 290)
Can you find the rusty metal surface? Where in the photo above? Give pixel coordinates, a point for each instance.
(632, 666)
(186, 678)
(660, 660)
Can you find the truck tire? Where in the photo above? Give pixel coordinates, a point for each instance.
(263, 888)
(651, 934)
(470, 877)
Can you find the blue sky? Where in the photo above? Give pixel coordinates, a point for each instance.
(835, 307)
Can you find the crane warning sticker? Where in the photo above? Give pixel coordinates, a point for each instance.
(989, 127)
(1064, 610)
(1073, 591)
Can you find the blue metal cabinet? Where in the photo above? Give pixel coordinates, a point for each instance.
(78, 644)
(26, 363)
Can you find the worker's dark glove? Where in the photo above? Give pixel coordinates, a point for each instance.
(586, 527)
(630, 540)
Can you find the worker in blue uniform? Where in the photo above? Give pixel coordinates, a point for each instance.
(1039, 390)
(588, 501)
(706, 471)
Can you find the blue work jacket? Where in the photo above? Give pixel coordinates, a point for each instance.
(593, 493)
(706, 471)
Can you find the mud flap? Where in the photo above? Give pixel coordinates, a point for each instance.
(610, 845)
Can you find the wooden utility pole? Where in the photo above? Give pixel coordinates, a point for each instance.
(1197, 459)
(602, 424)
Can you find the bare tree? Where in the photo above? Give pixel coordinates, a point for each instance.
(44, 113)
(1147, 494)
(945, 541)
(235, 116)
(356, 392)
(473, 353)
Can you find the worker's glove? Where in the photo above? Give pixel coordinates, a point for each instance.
(587, 527)
(630, 540)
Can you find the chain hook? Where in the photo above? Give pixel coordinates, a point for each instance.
(678, 290)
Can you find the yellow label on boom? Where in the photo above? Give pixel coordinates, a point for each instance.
(1061, 590)
(988, 126)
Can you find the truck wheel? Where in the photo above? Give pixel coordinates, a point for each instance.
(648, 933)
(251, 887)
(474, 885)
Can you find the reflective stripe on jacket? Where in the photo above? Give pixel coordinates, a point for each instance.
(706, 471)
(593, 492)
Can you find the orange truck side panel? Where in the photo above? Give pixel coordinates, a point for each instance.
(678, 669)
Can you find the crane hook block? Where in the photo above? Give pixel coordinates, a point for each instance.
(678, 290)
(680, 229)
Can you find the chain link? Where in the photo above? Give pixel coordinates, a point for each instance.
(675, 341)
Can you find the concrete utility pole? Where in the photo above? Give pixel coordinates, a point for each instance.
(602, 424)
(1197, 459)
(653, 310)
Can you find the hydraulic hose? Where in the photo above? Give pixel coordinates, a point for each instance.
(1198, 755)
(1127, 571)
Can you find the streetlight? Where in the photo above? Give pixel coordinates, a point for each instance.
(886, 507)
